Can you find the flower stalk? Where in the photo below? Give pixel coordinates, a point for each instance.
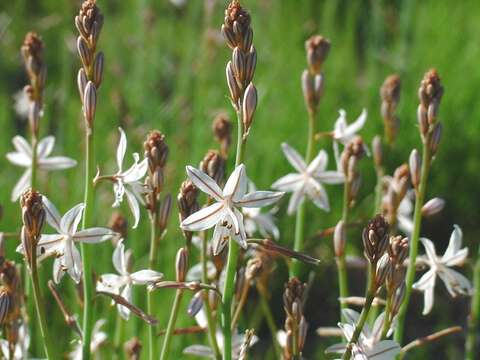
(471, 347)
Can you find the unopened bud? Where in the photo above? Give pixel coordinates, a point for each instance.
(232, 85)
(83, 51)
(415, 164)
(377, 151)
(253, 269)
(98, 69)
(133, 348)
(222, 130)
(433, 206)
(164, 212)
(250, 65)
(181, 264)
(238, 66)
(383, 268)
(249, 106)
(436, 136)
(422, 119)
(81, 83)
(90, 103)
(375, 238)
(308, 88)
(339, 237)
(195, 304)
(317, 48)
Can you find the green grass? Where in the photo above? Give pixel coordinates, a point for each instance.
(165, 69)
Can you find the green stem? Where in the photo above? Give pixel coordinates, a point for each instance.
(417, 220)
(341, 263)
(295, 268)
(152, 259)
(474, 318)
(39, 305)
(267, 312)
(119, 328)
(171, 325)
(233, 252)
(211, 326)
(371, 290)
(387, 320)
(88, 289)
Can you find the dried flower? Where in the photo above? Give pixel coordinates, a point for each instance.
(122, 284)
(456, 283)
(223, 214)
(308, 181)
(23, 157)
(317, 48)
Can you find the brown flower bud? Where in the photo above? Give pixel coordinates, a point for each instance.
(187, 201)
(233, 87)
(377, 151)
(164, 212)
(249, 105)
(236, 28)
(222, 130)
(119, 224)
(90, 103)
(32, 53)
(308, 88)
(90, 21)
(436, 137)
(317, 48)
(98, 69)
(375, 238)
(390, 90)
(250, 64)
(181, 264)
(339, 239)
(81, 83)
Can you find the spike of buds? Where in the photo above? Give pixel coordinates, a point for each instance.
(213, 164)
(390, 95)
(375, 238)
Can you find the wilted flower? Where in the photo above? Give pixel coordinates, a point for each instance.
(23, 157)
(308, 181)
(369, 345)
(99, 338)
(62, 244)
(122, 284)
(224, 213)
(456, 283)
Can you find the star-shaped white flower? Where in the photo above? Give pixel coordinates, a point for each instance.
(206, 351)
(224, 213)
(256, 220)
(23, 157)
(127, 182)
(456, 283)
(308, 181)
(369, 345)
(62, 244)
(344, 133)
(122, 283)
(99, 338)
(20, 351)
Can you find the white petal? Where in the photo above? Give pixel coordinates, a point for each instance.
(296, 199)
(456, 283)
(144, 277)
(134, 207)
(319, 163)
(127, 295)
(294, 158)
(94, 235)
(57, 270)
(426, 281)
(330, 177)
(289, 182)
(266, 226)
(19, 159)
(384, 350)
(318, 195)
(72, 262)
(405, 224)
(454, 244)
(71, 219)
(204, 183)
(121, 149)
(336, 348)
(355, 127)
(45, 146)
(49, 245)
(136, 172)
(241, 236)
(232, 219)
(195, 272)
(204, 218)
(259, 199)
(110, 283)
(56, 163)
(236, 185)
(22, 145)
(429, 249)
(118, 258)
(22, 185)
(52, 215)
(220, 238)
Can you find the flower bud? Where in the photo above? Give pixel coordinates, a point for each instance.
(164, 212)
(90, 103)
(375, 238)
(433, 206)
(81, 83)
(436, 136)
(339, 239)
(415, 164)
(238, 66)
(317, 48)
(308, 88)
(250, 65)
(98, 69)
(377, 151)
(249, 106)
(84, 52)
(222, 130)
(232, 85)
(181, 264)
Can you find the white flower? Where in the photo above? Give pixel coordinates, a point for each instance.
(122, 284)
(308, 181)
(127, 182)
(456, 283)
(98, 339)
(23, 157)
(344, 133)
(20, 351)
(255, 220)
(62, 244)
(206, 351)
(369, 345)
(224, 213)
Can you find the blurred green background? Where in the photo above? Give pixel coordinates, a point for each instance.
(165, 67)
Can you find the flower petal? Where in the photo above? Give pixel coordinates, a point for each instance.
(52, 215)
(351, 316)
(56, 163)
(384, 350)
(72, 262)
(22, 145)
(454, 244)
(94, 235)
(426, 281)
(241, 236)
(355, 127)
(144, 277)
(127, 295)
(330, 177)
(118, 258)
(199, 350)
(69, 222)
(204, 183)
(136, 171)
(45, 146)
(134, 207)
(319, 163)
(58, 271)
(429, 249)
(259, 199)
(456, 283)
(110, 283)
(19, 159)
(317, 194)
(220, 238)
(22, 184)
(204, 218)
(289, 182)
(121, 149)
(236, 185)
(294, 158)
(296, 199)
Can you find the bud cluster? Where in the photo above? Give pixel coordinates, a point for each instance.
(33, 218)
(89, 24)
(213, 164)
(375, 239)
(430, 93)
(317, 48)
(295, 324)
(240, 70)
(390, 95)
(32, 53)
(396, 189)
(354, 151)
(222, 130)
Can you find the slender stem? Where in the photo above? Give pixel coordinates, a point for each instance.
(33, 178)
(371, 290)
(387, 320)
(152, 349)
(119, 328)
(341, 263)
(430, 338)
(241, 303)
(171, 325)
(474, 319)
(417, 220)
(88, 289)
(211, 326)
(267, 312)
(233, 252)
(39, 305)
(300, 220)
